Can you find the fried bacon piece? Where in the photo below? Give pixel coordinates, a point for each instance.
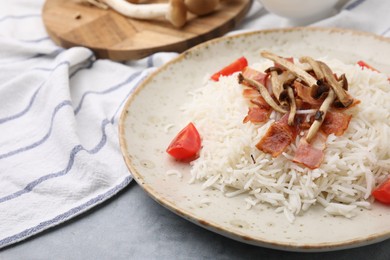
(257, 115)
(250, 93)
(311, 154)
(260, 110)
(260, 102)
(278, 136)
(256, 75)
(335, 123)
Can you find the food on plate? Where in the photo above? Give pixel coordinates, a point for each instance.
(294, 133)
(365, 65)
(186, 144)
(293, 89)
(382, 192)
(237, 65)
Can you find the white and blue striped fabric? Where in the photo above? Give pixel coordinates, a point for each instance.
(59, 109)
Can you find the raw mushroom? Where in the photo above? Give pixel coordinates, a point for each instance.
(201, 7)
(177, 13)
(174, 11)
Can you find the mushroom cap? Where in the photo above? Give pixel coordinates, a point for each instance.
(177, 13)
(201, 7)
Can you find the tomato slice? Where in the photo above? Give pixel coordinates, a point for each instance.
(186, 144)
(237, 65)
(364, 65)
(382, 192)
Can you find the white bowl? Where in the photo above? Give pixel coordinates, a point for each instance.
(303, 11)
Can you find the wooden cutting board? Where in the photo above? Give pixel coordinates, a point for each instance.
(113, 36)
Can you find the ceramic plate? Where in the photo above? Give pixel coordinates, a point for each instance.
(145, 134)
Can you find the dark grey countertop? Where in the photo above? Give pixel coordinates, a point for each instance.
(134, 226)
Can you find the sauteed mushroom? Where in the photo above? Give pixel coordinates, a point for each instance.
(314, 65)
(263, 91)
(293, 106)
(296, 70)
(320, 115)
(340, 92)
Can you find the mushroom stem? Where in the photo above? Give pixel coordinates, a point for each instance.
(139, 11)
(344, 82)
(314, 65)
(277, 87)
(297, 71)
(340, 92)
(320, 115)
(293, 106)
(174, 11)
(263, 91)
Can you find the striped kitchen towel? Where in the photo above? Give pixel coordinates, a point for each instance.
(59, 109)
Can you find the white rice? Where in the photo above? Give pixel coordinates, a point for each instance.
(354, 163)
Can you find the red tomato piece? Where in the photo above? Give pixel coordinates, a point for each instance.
(364, 65)
(237, 65)
(186, 144)
(382, 192)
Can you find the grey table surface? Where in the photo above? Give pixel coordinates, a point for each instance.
(133, 226)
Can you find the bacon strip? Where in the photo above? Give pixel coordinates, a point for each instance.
(307, 155)
(260, 111)
(278, 136)
(256, 75)
(257, 115)
(251, 93)
(260, 102)
(311, 154)
(335, 123)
